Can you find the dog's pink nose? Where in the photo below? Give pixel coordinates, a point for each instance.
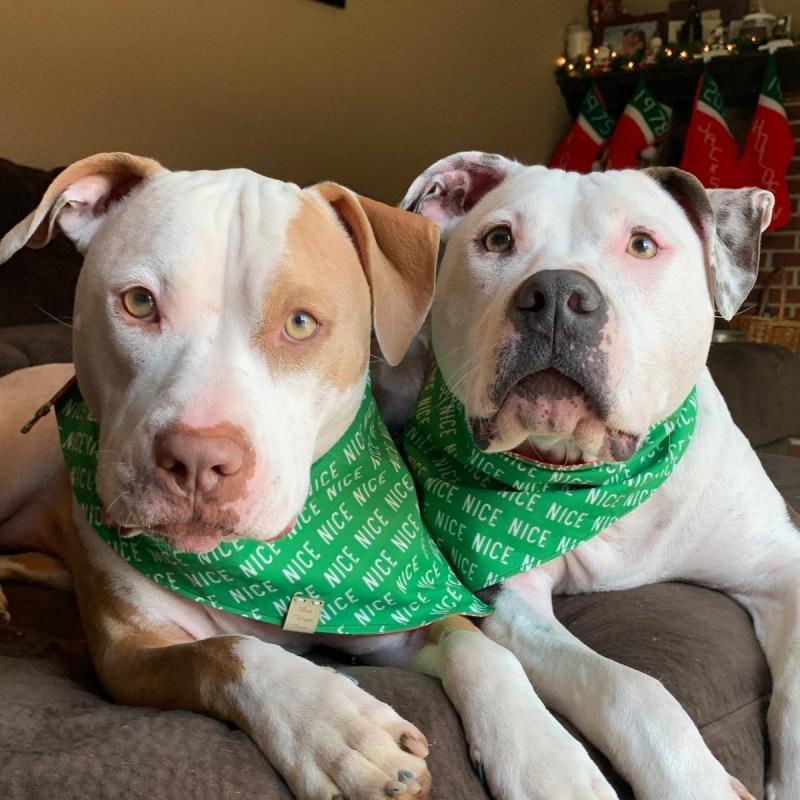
(202, 464)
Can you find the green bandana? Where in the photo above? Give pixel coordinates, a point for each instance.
(496, 515)
(359, 545)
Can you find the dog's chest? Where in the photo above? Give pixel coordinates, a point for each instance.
(655, 542)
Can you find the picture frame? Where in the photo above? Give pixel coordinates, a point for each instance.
(629, 35)
(728, 9)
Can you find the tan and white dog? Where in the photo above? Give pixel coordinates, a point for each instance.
(573, 312)
(193, 344)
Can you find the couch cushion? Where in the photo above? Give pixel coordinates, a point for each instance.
(62, 737)
(37, 344)
(760, 384)
(702, 647)
(11, 358)
(35, 285)
(784, 472)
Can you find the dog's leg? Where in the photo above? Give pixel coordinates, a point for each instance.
(36, 568)
(774, 603)
(630, 716)
(522, 748)
(328, 738)
(31, 568)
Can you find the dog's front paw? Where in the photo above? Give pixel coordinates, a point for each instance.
(568, 774)
(331, 740)
(777, 790)
(711, 784)
(521, 749)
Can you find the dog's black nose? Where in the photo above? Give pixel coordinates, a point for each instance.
(560, 295)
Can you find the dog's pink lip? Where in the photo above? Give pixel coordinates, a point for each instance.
(288, 529)
(528, 452)
(619, 444)
(191, 537)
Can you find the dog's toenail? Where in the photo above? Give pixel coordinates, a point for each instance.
(412, 744)
(410, 783)
(351, 678)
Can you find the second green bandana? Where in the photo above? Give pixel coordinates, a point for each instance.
(496, 515)
(359, 545)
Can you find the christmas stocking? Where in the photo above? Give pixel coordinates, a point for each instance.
(769, 147)
(643, 122)
(586, 138)
(710, 152)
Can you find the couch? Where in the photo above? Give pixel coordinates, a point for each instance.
(61, 737)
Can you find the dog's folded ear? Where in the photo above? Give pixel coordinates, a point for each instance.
(78, 199)
(449, 188)
(398, 252)
(741, 216)
(730, 223)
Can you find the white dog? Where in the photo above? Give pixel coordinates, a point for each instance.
(570, 326)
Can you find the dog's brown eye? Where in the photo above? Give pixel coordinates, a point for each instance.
(499, 239)
(642, 246)
(139, 302)
(300, 325)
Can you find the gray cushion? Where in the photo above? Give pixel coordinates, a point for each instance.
(784, 471)
(41, 344)
(61, 737)
(761, 385)
(11, 358)
(35, 285)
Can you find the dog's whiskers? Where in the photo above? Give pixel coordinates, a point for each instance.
(54, 318)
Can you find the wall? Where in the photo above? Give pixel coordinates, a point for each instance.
(776, 7)
(291, 88)
(782, 248)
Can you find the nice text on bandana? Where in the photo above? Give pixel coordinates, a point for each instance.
(496, 515)
(359, 545)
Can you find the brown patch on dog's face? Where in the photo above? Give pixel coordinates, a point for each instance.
(321, 274)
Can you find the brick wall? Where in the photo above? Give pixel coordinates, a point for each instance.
(782, 248)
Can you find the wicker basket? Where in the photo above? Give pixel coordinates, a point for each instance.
(771, 330)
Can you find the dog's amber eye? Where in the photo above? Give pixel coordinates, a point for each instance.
(139, 302)
(499, 239)
(300, 325)
(642, 246)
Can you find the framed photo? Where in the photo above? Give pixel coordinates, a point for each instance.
(630, 35)
(728, 9)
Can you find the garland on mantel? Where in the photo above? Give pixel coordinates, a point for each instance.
(597, 63)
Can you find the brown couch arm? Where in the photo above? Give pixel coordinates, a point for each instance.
(761, 385)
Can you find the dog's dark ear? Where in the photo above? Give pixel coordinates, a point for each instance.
(398, 252)
(449, 188)
(78, 199)
(730, 223)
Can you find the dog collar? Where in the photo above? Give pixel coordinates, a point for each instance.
(496, 515)
(358, 561)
